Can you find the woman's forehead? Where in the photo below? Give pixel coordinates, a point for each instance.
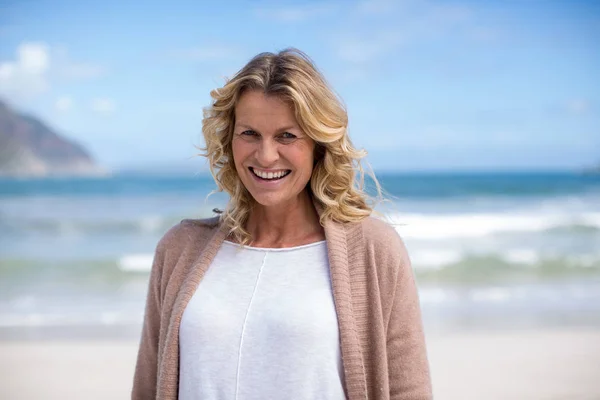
(256, 109)
(257, 100)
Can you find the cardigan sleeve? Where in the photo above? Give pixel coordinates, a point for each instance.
(409, 373)
(145, 377)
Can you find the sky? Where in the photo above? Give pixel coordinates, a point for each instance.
(429, 85)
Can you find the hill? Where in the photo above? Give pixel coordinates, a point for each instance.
(28, 147)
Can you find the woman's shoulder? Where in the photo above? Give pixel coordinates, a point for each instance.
(377, 230)
(381, 236)
(189, 231)
(189, 236)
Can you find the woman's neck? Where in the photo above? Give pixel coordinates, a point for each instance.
(293, 224)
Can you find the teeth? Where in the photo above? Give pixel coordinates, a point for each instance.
(269, 175)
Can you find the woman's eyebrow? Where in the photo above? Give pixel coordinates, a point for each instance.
(243, 125)
(283, 129)
(287, 128)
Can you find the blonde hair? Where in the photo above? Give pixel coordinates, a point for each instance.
(337, 181)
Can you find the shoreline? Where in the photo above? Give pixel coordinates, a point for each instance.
(436, 325)
(552, 363)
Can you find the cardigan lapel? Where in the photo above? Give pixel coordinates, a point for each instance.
(348, 285)
(169, 382)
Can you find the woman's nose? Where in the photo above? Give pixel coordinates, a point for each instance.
(267, 153)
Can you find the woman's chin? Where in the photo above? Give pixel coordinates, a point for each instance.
(269, 200)
(275, 199)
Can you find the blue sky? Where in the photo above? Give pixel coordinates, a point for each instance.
(429, 85)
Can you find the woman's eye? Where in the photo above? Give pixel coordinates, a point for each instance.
(250, 135)
(288, 136)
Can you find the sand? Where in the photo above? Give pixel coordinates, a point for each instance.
(557, 364)
(562, 364)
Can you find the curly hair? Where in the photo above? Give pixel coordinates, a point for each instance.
(337, 182)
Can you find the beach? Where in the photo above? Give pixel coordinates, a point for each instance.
(507, 265)
(550, 364)
(525, 364)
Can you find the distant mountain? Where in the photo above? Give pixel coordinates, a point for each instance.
(28, 147)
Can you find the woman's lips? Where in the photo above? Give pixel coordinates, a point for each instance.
(269, 177)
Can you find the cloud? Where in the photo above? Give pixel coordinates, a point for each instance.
(396, 25)
(63, 104)
(103, 105)
(295, 13)
(37, 67)
(26, 76)
(364, 50)
(33, 58)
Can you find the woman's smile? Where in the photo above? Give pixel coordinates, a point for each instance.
(269, 175)
(269, 180)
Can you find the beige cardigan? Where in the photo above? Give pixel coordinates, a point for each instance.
(379, 318)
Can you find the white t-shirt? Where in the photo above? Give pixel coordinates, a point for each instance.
(262, 325)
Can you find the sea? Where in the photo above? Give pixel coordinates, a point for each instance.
(489, 250)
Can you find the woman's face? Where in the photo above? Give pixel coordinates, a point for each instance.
(273, 157)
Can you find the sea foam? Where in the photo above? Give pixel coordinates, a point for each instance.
(441, 226)
(136, 263)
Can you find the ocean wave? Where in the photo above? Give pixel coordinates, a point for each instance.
(430, 265)
(136, 262)
(68, 318)
(434, 227)
(408, 225)
(128, 267)
(523, 295)
(143, 225)
(84, 271)
(511, 265)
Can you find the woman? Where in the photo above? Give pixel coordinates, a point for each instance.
(294, 291)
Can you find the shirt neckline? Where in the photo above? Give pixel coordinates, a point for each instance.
(277, 249)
